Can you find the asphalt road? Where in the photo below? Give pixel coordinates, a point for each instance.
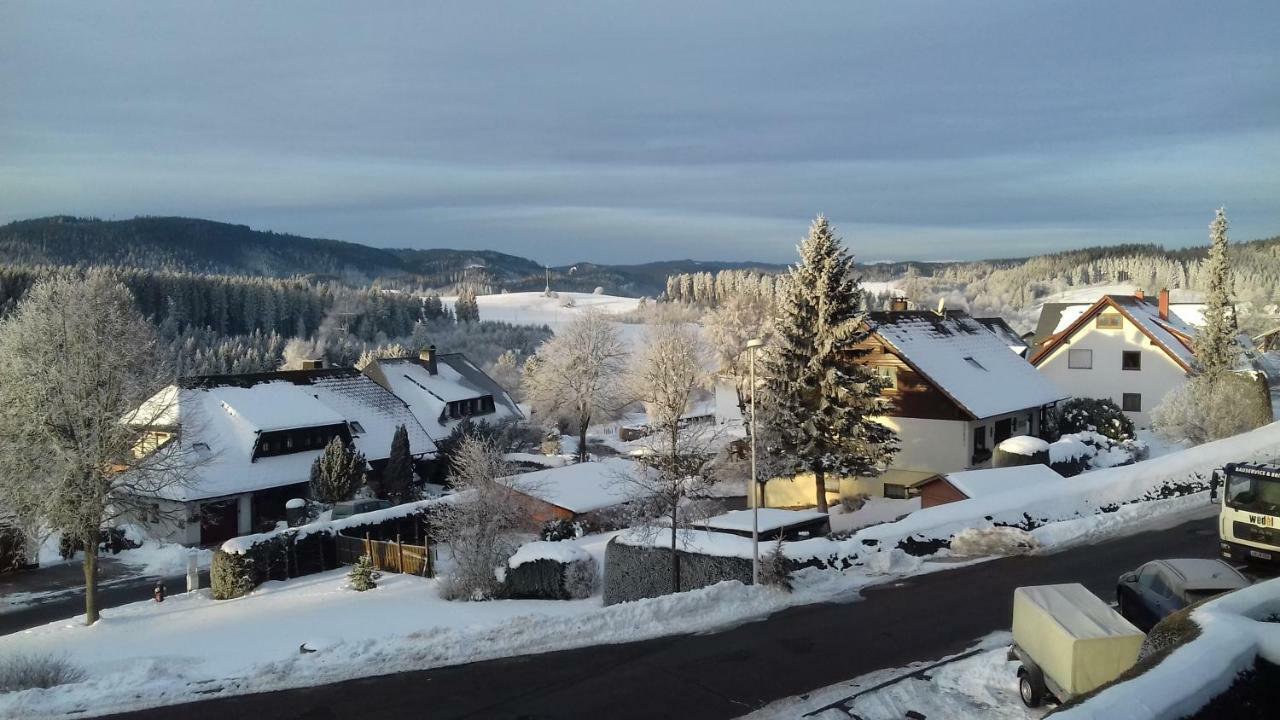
(725, 674)
(67, 603)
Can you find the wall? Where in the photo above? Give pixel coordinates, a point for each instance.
(939, 492)
(170, 521)
(1159, 373)
(930, 445)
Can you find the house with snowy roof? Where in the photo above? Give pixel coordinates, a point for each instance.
(1123, 347)
(957, 389)
(252, 438)
(441, 390)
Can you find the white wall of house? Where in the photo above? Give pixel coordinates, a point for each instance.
(1159, 373)
(930, 445)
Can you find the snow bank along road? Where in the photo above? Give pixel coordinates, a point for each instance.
(730, 673)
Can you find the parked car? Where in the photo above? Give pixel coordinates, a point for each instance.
(1068, 641)
(355, 507)
(1161, 587)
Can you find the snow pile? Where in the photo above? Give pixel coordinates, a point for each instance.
(891, 561)
(973, 542)
(1232, 635)
(163, 559)
(1023, 445)
(561, 551)
(1069, 448)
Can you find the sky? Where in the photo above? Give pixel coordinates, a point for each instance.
(628, 132)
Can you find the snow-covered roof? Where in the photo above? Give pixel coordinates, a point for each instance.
(770, 519)
(981, 483)
(966, 361)
(220, 418)
(582, 487)
(429, 394)
(1005, 332)
(1171, 334)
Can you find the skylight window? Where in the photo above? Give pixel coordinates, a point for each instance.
(201, 446)
(975, 363)
(357, 428)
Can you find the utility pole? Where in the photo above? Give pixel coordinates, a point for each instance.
(753, 345)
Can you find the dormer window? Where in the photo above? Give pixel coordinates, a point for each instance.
(357, 428)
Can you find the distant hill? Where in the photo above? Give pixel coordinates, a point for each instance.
(205, 246)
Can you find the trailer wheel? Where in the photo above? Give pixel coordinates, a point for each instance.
(1031, 692)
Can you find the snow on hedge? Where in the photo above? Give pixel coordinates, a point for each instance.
(1023, 445)
(562, 551)
(242, 544)
(1232, 635)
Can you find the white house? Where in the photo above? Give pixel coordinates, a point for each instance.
(1123, 347)
(442, 390)
(251, 440)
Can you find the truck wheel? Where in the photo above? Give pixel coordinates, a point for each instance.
(1031, 694)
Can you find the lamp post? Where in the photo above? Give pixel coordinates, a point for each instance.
(753, 345)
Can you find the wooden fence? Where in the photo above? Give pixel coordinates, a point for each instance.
(389, 556)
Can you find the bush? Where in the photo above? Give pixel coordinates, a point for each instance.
(231, 575)
(1100, 415)
(1205, 409)
(548, 579)
(24, 672)
(363, 575)
(559, 529)
(775, 569)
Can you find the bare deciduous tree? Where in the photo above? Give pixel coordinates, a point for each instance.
(480, 523)
(82, 420)
(742, 317)
(676, 458)
(579, 373)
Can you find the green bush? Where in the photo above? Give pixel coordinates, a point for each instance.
(231, 575)
(1100, 415)
(363, 575)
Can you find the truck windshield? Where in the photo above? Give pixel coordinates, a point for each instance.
(1251, 494)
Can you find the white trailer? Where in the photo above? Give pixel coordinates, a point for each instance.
(1068, 641)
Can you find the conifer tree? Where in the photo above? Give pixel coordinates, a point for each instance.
(363, 575)
(397, 476)
(465, 308)
(1215, 343)
(337, 473)
(819, 403)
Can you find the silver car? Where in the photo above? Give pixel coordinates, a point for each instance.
(1161, 587)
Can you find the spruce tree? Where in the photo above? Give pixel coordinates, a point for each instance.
(1215, 343)
(397, 476)
(819, 402)
(363, 575)
(337, 473)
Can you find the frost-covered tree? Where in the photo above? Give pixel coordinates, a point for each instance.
(391, 350)
(1205, 409)
(821, 401)
(1215, 344)
(81, 384)
(337, 473)
(506, 372)
(397, 476)
(466, 308)
(579, 374)
(480, 525)
(741, 318)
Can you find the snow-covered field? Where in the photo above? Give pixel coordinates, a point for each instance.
(983, 685)
(534, 308)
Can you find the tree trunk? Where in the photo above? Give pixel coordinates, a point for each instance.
(820, 486)
(675, 557)
(582, 438)
(91, 580)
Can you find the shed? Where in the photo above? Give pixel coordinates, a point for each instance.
(951, 487)
(772, 523)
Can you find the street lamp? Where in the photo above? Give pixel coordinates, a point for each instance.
(752, 346)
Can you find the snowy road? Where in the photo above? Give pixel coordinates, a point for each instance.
(730, 673)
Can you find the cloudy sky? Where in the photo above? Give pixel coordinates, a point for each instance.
(628, 132)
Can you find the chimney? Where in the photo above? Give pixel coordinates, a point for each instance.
(1140, 294)
(1164, 303)
(429, 357)
(898, 304)
(312, 364)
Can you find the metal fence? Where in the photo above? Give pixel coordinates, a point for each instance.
(388, 556)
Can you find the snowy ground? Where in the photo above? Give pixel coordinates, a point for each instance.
(148, 654)
(983, 685)
(875, 511)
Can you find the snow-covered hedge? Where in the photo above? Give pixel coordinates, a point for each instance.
(551, 571)
(1233, 634)
(633, 571)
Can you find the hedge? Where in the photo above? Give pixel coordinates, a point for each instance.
(548, 579)
(632, 572)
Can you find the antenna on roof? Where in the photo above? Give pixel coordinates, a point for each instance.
(942, 307)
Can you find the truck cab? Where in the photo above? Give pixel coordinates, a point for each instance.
(1249, 521)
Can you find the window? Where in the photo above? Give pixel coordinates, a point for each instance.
(1080, 359)
(357, 428)
(974, 363)
(1132, 360)
(895, 491)
(1131, 402)
(888, 377)
(1109, 321)
(1151, 580)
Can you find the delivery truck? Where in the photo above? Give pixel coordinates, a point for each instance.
(1249, 521)
(1068, 642)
